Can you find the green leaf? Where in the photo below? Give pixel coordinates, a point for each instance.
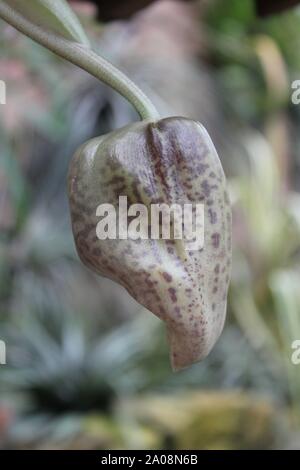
(51, 15)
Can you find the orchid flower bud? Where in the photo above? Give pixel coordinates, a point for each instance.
(155, 163)
(171, 162)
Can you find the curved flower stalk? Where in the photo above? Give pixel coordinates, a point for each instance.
(53, 25)
(156, 161)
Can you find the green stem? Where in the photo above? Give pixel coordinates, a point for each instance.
(84, 58)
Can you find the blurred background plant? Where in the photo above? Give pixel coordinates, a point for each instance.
(86, 366)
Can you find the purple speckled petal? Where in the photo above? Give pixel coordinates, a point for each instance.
(169, 161)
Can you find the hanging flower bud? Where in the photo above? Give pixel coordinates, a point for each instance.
(170, 161)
